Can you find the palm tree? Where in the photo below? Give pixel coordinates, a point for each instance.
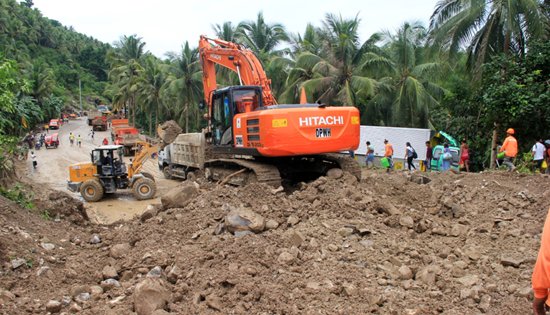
(487, 27)
(407, 80)
(153, 81)
(184, 84)
(226, 31)
(336, 76)
(126, 66)
(261, 37)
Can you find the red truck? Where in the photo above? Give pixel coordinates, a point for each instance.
(124, 134)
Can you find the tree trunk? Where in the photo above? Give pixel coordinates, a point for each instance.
(493, 147)
(157, 119)
(187, 117)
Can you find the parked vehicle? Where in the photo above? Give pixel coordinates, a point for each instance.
(437, 153)
(51, 141)
(55, 124)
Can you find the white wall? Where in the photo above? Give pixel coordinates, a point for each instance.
(397, 137)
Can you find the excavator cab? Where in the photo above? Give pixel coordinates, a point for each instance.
(228, 102)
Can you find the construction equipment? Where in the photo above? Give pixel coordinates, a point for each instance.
(107, 172)
(124, 134)
(248, 130)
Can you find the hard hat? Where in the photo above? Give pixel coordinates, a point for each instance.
(510, 131)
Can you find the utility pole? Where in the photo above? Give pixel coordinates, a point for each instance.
(80, 91)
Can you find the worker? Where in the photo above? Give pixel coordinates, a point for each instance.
(429, 155)
(79, 141)
(540, 279)
(388, 153)
(105, 141)
(370, 155)
(510, 149)
(538, 155)
(71, 138)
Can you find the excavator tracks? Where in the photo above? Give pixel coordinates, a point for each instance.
(345, 162)
(264, 173)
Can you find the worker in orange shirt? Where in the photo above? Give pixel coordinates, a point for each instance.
(541, 273)
(510, 149)
(388, 153)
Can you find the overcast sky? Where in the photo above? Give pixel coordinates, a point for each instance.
(166, 24)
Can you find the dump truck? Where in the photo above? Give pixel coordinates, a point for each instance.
(124, 134)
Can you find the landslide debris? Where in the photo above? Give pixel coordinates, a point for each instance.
(451, 244)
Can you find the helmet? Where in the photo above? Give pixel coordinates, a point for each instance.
(510, 131)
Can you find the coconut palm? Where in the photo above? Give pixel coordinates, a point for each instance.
(226, 31)
(336, 76)
(407, 80)
(153, 81)
(126, 66)
(261, 37)
(184, 85)
(487, 27)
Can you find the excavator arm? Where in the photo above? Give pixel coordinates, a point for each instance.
(236, 58)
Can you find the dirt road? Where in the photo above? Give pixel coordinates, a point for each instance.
(53, 171)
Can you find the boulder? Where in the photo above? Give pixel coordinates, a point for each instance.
(243, 219)
(53, 306)
(109, 272)
(180, 196)
(150, 295)
(168, 131)
(119, 250)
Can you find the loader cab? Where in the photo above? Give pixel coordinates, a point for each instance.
(108, 160)
(228, 102)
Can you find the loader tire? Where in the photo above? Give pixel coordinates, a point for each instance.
(144, 188)
(91, 190)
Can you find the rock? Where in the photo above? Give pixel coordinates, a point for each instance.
(108, 284)
(332, 247)
(150, 295)
(313, 287)
(335, 173)
(277, 190)
(386, 207)
(286, 258)
(214, 303)
(485, 303)
(292, 220)
(47, 246)
(78, 289)
(525, 292)
(367, 243)
(155, 272)
(109, 272)
(160, 312)
(180, 196)
(406, 221)
(6, 296)
(427, 275)
(150, 212)
(405, 273)
(168, 131)
(44, 270)
(271, 224)
(17, 262)
(511, 261)
(83, 297)
(53, 306)
(419, 179)
(349, 289)
(457, 211)
(243, 219)
(75, 308)
(345, 231)
(119, 250)
(469, 280)
(96, 291)
(458, 230)
(173, 274)
(95, 239)
(296, 238)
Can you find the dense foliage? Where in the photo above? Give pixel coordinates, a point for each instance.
(480, 65)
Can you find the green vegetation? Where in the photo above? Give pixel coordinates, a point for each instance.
(18, 194)
(480, 65)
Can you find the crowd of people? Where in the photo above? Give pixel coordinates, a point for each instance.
(507, 154)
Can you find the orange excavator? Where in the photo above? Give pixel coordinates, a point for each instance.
(249, 131)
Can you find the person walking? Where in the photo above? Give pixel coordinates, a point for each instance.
(538, 155)
(429, 155)
(71, 138)
(540, 279)
(510, 149)
(547, 144)
(34, 162)
(409, 156)
(388, 153)
(465, 155)
(370, 155)
(79, 141)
